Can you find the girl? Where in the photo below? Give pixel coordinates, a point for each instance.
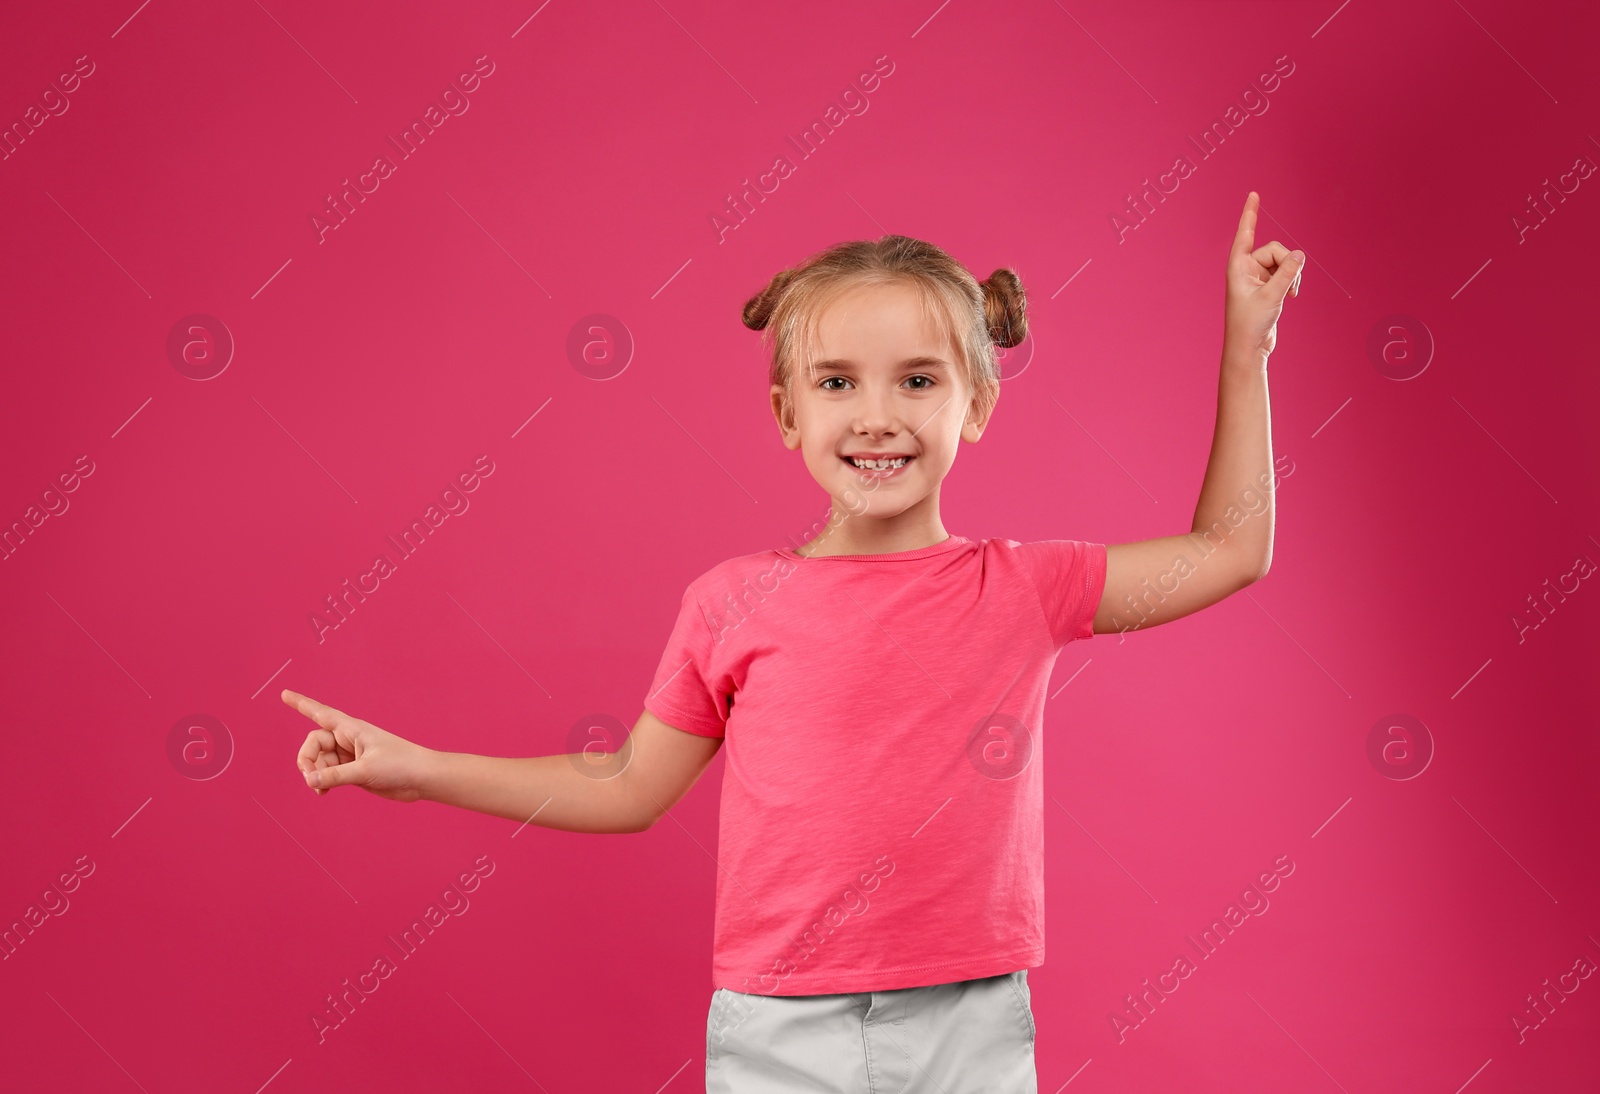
(880, 687)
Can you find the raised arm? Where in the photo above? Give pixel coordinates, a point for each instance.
(1155, 581)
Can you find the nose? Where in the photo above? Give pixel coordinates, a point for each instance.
(876, 414)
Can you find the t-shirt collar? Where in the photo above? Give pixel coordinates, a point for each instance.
(943, 546)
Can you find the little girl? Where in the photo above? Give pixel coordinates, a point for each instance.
(880, 687)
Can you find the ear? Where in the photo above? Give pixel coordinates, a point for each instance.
(973, 427)
(784, 414)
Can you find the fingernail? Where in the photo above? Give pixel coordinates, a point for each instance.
(313, 778)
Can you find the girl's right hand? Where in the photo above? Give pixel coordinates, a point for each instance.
(346, 751)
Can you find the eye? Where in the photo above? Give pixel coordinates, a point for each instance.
(929, 382)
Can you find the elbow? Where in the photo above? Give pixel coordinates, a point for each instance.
(1254, 572)
(631, 823)
(639, 821)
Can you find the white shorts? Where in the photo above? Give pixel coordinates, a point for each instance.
(965, 1037)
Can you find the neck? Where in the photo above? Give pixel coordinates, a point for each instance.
(850, 533)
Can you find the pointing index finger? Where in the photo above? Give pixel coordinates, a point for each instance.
(324, 715)
(1245, 241)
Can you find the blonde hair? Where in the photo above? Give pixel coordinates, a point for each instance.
(975, 317)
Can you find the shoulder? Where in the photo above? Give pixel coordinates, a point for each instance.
(756, 568)
(1041, 548)
(1047, 559)
(1002, 548)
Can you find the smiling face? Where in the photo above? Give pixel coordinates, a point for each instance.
(885, 385)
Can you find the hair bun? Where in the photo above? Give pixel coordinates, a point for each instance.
(1005, 307)
(758, 309)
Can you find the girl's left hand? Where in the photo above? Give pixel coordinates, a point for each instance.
(1259, 278)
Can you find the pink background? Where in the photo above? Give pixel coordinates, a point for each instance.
(370, 369)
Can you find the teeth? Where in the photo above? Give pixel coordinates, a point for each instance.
(878, 465)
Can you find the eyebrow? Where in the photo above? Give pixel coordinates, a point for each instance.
(934, 363)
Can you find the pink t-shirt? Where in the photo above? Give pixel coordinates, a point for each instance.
(882, 800)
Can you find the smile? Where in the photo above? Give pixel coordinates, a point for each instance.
(879, 469)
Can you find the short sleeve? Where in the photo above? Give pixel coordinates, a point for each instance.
(1070, 576)
(681, 694)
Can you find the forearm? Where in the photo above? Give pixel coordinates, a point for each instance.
(1236, 507)
(549, 791)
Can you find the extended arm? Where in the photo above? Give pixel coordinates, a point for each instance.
(624, 791)
(1229, 545)
(589, 791)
